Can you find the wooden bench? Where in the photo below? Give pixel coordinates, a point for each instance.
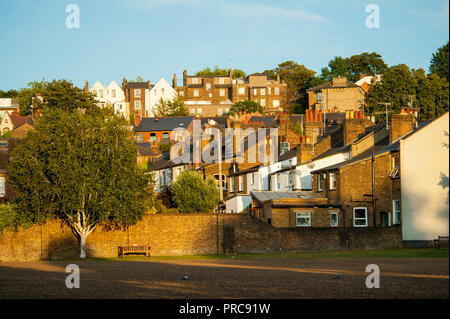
(134, 249)
(441, 241)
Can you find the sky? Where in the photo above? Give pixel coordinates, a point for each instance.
(157, 38)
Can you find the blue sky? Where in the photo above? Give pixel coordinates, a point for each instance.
(156, 38)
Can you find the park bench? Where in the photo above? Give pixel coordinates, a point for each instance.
(134, 249)
(441, 241)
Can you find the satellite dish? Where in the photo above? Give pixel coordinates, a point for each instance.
(310, 165)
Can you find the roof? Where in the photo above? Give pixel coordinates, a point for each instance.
(289, 154)
(150, 124)
(262, 196)
(145, 149)
(18, 120)
(329, 85)
(267, 120)
(136, 85)
(246, 171)
(221, 120)
(257, 74)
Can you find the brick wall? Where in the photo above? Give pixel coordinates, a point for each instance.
(189, 234)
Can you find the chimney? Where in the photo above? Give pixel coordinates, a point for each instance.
(184, 78)
(400, 125)
(231, 73)
(174, 82)
(86, 86)
(124, 82)
(354, 127)
(149, 85)
(137, 120)
(278, 78)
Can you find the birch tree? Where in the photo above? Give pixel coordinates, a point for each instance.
(82, 170)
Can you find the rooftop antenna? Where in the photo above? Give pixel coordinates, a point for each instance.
(386, 104)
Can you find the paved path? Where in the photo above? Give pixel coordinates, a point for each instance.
(230, 278)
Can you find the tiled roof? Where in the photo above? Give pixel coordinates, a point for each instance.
(262, 196)
(136, 85)
(150, 124)
(329, 85)
(18, 120)
(268, 121)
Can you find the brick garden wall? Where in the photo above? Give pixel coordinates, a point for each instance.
(190, 234)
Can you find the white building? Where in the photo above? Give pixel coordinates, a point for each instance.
(112, 95)
(8, 105)
(424, 173)
(161, 90)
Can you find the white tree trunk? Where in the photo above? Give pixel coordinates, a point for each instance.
(82, 246)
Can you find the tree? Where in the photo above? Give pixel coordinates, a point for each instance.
(247, 107)
(191, 194)
(10, 94)
(171, 108)
(431, 94)
(440, 62)
(64, 95)
(236, 73)
(139, 79)
(80, 169)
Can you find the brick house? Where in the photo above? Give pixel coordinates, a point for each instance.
(337, 95)
(214, 95)
(157, 129)
(13, 121)
(6, 147)
(135, 93)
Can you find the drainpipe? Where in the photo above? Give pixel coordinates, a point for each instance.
(373, 189)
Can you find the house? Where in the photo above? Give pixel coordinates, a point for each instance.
(155, 129)
(366, 80)
(294, 209)
(161, 90)
(12, 121)
(112, 95)
(214, 95)
(424, 172)
(337, 95)
(6, 147)
(135, 97)
(9, 106)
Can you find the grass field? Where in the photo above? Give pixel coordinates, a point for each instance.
(388, 253)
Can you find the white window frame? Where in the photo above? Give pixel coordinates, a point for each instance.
(137, 104)
(276, 103)
(277, 90)
(241, 91)
(394, 168)
(220, 111)
(2, 186)
(194, 80)
(284, 147)
(196, 93)
(302, 215)
(290, 179)
(221, 80)
(263, 102)
(192, 111)
(396, 212)
(232, 184)
(332, 181)
(263, 91)
(255, 92)
(199, 111)
(337, 219)
(224, 181)
(320, 182)
(366, 218)
(241, 183)
(222, 92)
(137, 92)
(269, 91)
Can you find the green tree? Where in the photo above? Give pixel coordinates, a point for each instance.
(247, 107)
(64, 95)
(440, 62)
(431, 94)
(365, 63)
(171, 108)
(139, 79)
(80, 169)
(236, 73)
(191, 194)
(10, 94)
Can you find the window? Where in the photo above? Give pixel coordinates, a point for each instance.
(199, 111)
(152, 137)
(255, 92)
(241, 183)
(277, 90)
(194, 81)
(276, 103)
(269, 91)
(137, 105)
(360, 217)
(192, 111)
(394, 168)
(162, 91)
(208, 86)
(137, 93)
(227, 110)
(224, 181)
(221, 80)
(263, 102)
(290, 179)
(278, 182)
(2, 186)
(113, 93)
(253, 179)
(139, 137)
(195, 92)
(166, 135)
(241, 91)
(334, 219)
(284, 147)
(263, 91)
(320, 182)
(303, 219)
(231, 184)
(396, 211)
(220, 111)
(222, 92)
(332, 181)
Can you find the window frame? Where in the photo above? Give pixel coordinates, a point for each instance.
(138, 91)
(337, 219)
(366, 218)
(396, 212)
(302, 213)
(332, 179)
